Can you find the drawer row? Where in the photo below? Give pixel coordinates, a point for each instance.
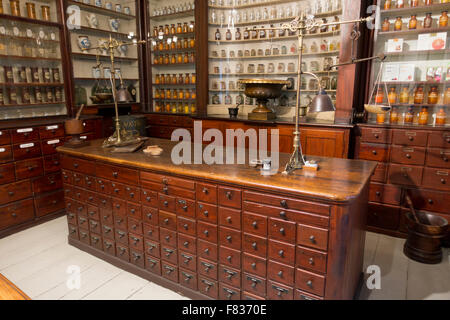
(417, 138)
(29, 150)
(27, 169)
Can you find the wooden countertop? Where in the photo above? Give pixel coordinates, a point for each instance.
(338, 180)
(8, 291)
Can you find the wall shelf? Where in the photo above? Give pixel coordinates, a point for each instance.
(102, 10)
(183, 14)
(413, 32)
(416, 10)
(92, 56)
(312, 35)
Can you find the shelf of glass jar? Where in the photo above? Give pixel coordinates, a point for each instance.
(12, 96)
(244, 39)
(411, 115)
(28, 75)
(30, 16)
(92, 56)
(95, 31)
(175, 107)
(117, 11)
(178, 59)
(417, 97)
(212, 4)
(414, 25)
(179, 29)
(175, 79)
(414, 7)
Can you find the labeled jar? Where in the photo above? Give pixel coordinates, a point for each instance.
(443, 20)
(45, 11)
(428, 22)
(46, 75)
(419, 96)
(37, 95)
(22, 74)
(9, 77)
(15, 7)
(31, 10)
(412, 22)
(441, 118)
(433, 96)
(398, 25)
(25, 95)
(423, 116)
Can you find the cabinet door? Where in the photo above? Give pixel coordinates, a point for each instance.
(325, 142)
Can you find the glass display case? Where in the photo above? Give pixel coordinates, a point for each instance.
(414, 80)
(238, 51)
(97, 21)
(173, 56)
(31, 70)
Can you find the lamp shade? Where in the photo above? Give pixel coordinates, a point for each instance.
(123, 95)
(321, 103)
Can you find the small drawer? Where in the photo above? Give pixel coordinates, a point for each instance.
(255, 265)
(96, 241)
(134, 211)
(251, 297)
(166, 203)
(408, 155)
(207, 250)
(5, 137)
(230, 197)
(230, 257)
(24, 135)
(439, 139)
(312, 237)
(49, 146)
(376, 135)
(16, 213)
(310, 282)
(410, 138)
(168, 237)
(185, 207)
(137, 258)
(132, 194)
(280, 272)
(207, 231)
(188, 261)
(438, 158)
(71, 205)
(89, 125)
(281, 252)
(135, 226)
(385, 193)
(168, 220)
(121, 236)
(149, 198)
(255, 224)
(51, 131)
(167, 180)
(118, 174)
(374, 152)
(153, 265)
(104, 186)
(151, 232)
(79, 165)
(6, 154)
(380, 173)
(29, 169)
(120, 222)
(122, 252)
(80, 209)
(26, 151)
(311, 259)
(73, 232)
(436, 179)
(187, 243)
(188, 279)
(229, 218)
(79, 194)
(118, 190)
(7, 173)
(78, 180)
(90, 183)
(254, 284)
(208, 287)
(206, 193)
(67, 176)
(49, 203)
(282, 230)
(428, 200)
(186, 226)
(405, 175)
(108, 232)
(72, 218)
(255, 245)
(119, 207)
(91, 197)
(230, 276)
(52, 163)
(109, 247)
(136, 242)
(150, 215)
(84, 236)
(104, 202)
(230, 238)
(277, 291)
(383, 216)
(206, 212)
(207, 268)
(228, 293)
(152, 248)
(301, 295)
(15, 191)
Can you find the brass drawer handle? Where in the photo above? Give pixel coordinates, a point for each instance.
(283, 214)
(208, 285)
(166, 221)
(182, 202)
(229, 292)
(10, 193)
(169, 269)
(152, 262)
(255, 224)
(14, 215)
(149, 216)
(230, 274)
(206, 232)
(132, 195)
(95, 239)
(151, 246)
(282, 231)
(83, 235)
(115, 174)
(165, 181)
(206, 213)
(207, 266)
(229, 219)
(185, 227)
(133, 211)
(167, 238)
(229, 239)
(168, 252)
(430, 201)
(207, 251)
(186, 244)
(229, 195)
(283, 203)
(187, 277)
(205, 191)
(374, 152)
(280, 291)
(76, 165)
(166, 190)
(254, 245)
(408, 156)
(253, 265)
(281, 253)
(135, 240)
(136, 256)
(107, 230)
(148, 199)
(229, 258)
(108, 245)
(312, 239)
(309, 284)
(122, 251)
(254, 281)
(166, 203)
(121, 234)
(311, 261)
(378, 193)
(280, 274)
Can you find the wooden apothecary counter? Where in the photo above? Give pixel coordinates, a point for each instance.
(221, 232)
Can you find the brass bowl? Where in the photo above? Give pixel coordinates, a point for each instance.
(103, 96)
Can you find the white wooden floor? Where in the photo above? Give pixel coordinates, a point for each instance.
(37, 259)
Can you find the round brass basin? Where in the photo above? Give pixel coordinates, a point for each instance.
(263, 90)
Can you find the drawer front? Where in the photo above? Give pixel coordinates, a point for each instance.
(383, 216)
(73, 232)
(254, 284)
(207, 250)
(151, 232)
(26, 151)
(51, 131)
(230, 257)
(121, 236)
(230, 238)
(312, 237)
(25, 135)
(166, 203)
(438, 179)
(287, 203)
(52, 163)
(208, 287)
(108, 232)
(119, 207)
(96, 241)
(67, 176)
(83, 222)
(376, 135)
(136, 241)
(207, 212)
(6, 154)
(230, 218)
(168, 237)
(49, 146)
(122, 252)
(5, 137)
(135, 226)
(434, 201)
(282, 230)
(277, 291)
(104, 202)
(185, 207)
(188, 279)
(150, 215)
(90, 183)
(137, 258)
(410, 138)
(152, 248)
(230, 276)
(16, 213)
(78, 179)
(438, 158)
(15, 191)
(84, 236)
(207, 231)
(187, 226)
(255, 245)
(310, 282)
(188, 261)
(439, 140)
(405, 175)
(385, 193)
(374, 152)
(230, 197)
(50, 203)
(187, 243)
(104, 186)
(168, 220)
(255, 224)
(206, 193)
(29, 169)
(167, 180)
(109, 247)
(118, 174)
(132, 194)
(281, 252)
(79, 165)
(47, 183)
(280, 272)
(311, 260)
(149, 198)
(228, 293)
(169, 271)
(408, 155)
(207, 268)
(134, 211)
(7, 174)
(153, 265)
(72, 218)
(301, 295)
(380, 173)
(254, 265)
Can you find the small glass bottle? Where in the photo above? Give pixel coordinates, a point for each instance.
(218, 35)
(423, 116)
(386, 25)
(428, 22)
(379, 98)
(443, 20)
(179, 28)
(398, 25)
(433, 96)
(394, 116)
(228, 36)
(400, 4)
(412, 22)
(419, 96)
(404, 95)
(387, 4)
(237, 35)
(381, 118)
(392, 96)
(447, 96)
(409, 117)
(441, 117)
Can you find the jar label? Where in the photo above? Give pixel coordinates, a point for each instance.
(52, 127)
(9, 75)
(36, 76)
(53, 142)
(16, 31)
(26, 145)
(25, 130)
(47, 75)
(2, 150)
